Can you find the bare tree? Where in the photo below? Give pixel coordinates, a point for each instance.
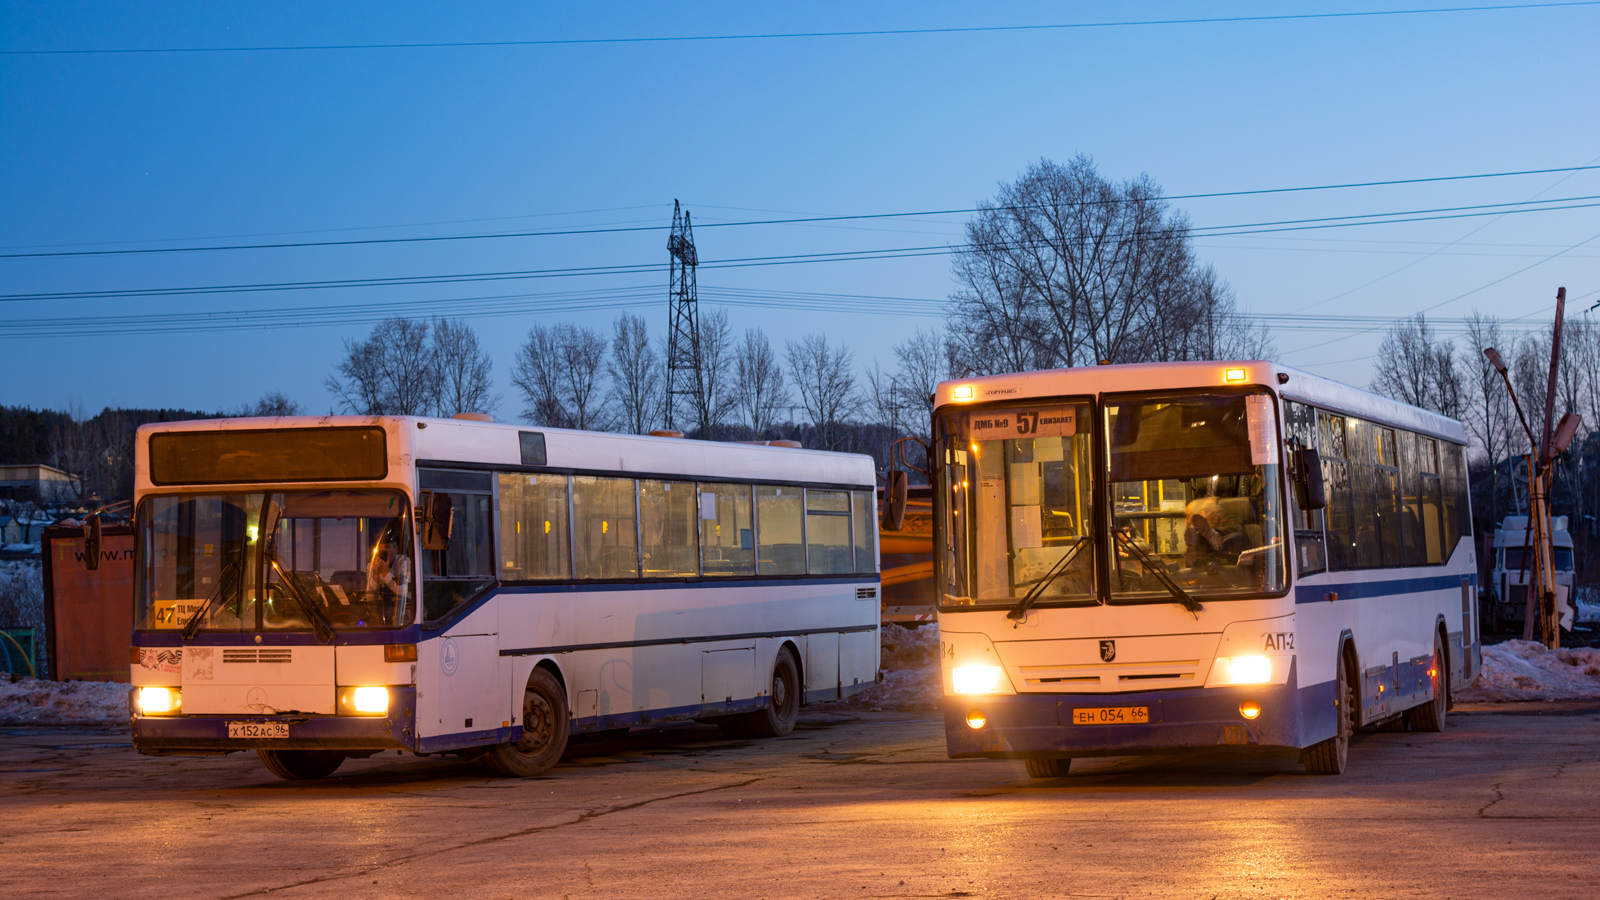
(465, 382)
(1065, 268)
(1415, 367)
(1486, 408)
(558, 370)
(716, 396)
(636, 375)
(758, 379)
(393, 372)
(827, 387)
(924, 362)
(272, 403)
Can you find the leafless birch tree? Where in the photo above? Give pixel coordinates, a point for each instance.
(823, 375)
(636, 375)
(559, 369)
(392, 372)
(758, 377)
(465, 380)
(1414, 366)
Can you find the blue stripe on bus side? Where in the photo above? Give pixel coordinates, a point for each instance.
(1357, 590)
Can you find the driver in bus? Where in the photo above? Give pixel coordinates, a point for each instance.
(386, 573)
(1213, 537)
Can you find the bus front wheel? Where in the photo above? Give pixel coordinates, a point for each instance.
(300, 765)
(545, 728)
(1329, 757)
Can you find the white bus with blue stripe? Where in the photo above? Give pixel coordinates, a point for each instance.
(1143, 559)
(319, 588)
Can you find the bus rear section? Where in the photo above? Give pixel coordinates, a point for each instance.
(1126, 555)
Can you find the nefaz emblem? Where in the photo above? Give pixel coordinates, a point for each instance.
(1278, 640)
(1108, 650)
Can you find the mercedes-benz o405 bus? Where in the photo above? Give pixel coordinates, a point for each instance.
(1162, 557)
(318, 588)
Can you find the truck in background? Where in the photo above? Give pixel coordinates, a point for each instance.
(1512, 567)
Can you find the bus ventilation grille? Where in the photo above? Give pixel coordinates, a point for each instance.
(866, 593)
(258, 655)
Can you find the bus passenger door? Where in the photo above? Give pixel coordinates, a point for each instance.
(822, 667)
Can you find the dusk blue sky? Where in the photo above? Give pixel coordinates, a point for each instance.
(130, 151)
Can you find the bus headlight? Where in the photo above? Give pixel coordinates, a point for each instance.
(160, 701)
(978, 679)
(363, 701)
(1244, 670)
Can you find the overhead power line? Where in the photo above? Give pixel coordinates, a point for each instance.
(790, 259)
(792, 35)
(500, 235)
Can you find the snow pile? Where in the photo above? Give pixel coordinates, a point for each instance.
(31, 701)
(1525, 670)
(910, 660)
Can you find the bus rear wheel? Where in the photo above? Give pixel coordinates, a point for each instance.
(1047, 768)
(779, 717)
(301, 765)
(545, 728)
(1430, 716)
(1329, 757)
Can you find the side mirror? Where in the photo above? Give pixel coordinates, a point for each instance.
(1311, 493)
(894, 500)
(93, 537)
(438, 516)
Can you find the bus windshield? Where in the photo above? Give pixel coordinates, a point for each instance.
(1194, 490)
(1020, 517)
(345, 554)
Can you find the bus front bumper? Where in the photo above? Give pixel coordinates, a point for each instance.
(209, 734)
(1018, 726)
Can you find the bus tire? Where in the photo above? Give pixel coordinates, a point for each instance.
(301, 765)
(1330, 757)
(1047, 768)
(779, 717)
(545, 728)
(1430, 716)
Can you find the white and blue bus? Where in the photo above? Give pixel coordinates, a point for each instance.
(1139, 559)
(318, 588)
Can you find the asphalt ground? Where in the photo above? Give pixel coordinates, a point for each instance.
(1502, 804)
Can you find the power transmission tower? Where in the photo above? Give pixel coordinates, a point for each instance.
(683, 318)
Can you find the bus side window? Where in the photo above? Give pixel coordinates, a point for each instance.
(1300, 425)
(1456, 510)
(780, 531)
(454, 576)
(828, 533)
(1336, 478)
(533, 527)
(864, 529)
(604, 532)
(727, 534)
(669, 528)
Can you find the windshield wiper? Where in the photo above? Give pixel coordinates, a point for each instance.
(231, 570)
(1021, 609)
(319, 622)
(1155, 568)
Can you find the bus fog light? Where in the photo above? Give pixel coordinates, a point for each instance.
(977, 679)
(975, 719)
(157, 701)
(1246, 670)
(1249, 709)
(363, 701)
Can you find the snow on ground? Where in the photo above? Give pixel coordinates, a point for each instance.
(1525, 670)
(31, 701)
(910, 661)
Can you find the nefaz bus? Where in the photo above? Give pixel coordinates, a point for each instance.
(1150, 558)
(318, 588)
